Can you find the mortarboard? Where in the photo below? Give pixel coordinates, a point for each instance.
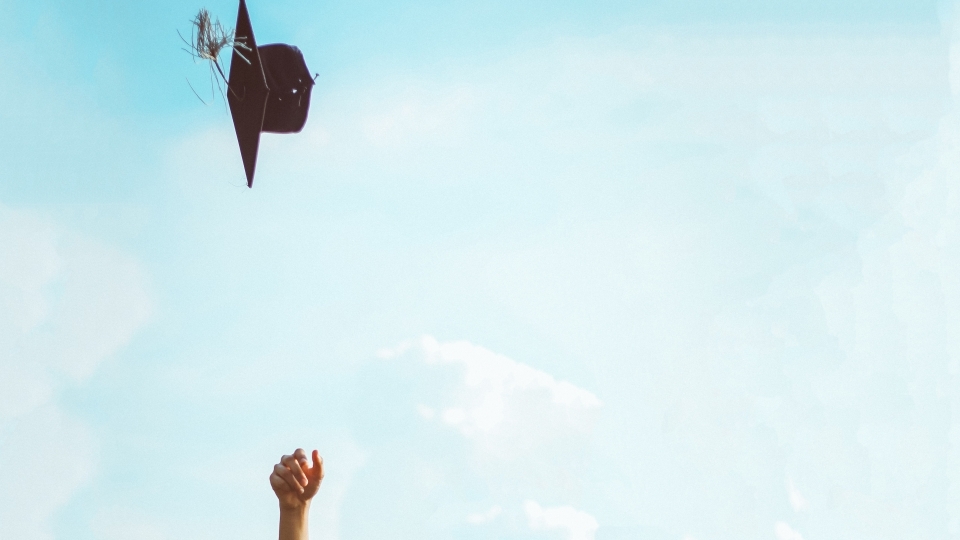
(269, 90)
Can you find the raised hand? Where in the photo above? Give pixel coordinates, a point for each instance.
(296, 482)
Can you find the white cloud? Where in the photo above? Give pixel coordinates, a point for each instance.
(786, 532)
(500, 375)
(578, 525)
(480, 518)
(30, 261)
(99, 296)
(527, 431)
(67, 303)
(426, 412)
(797, 501)
(503, 403)
(30, 489)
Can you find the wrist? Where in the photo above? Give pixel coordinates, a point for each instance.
(293, 520)
(298, 507)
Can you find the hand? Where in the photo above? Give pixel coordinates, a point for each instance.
(294, 482)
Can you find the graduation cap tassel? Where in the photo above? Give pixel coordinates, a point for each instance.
(208, 39)
(268, 88)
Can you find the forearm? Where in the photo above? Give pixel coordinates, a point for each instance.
(295, 483)
(293, 522)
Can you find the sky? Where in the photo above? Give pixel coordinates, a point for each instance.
(565, 270)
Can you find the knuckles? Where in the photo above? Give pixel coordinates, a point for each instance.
(290, 464)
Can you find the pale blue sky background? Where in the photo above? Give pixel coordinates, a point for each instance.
(612, 270)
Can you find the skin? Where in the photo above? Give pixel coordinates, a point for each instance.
(296, 481)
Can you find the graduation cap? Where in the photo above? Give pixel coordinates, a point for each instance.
(268, 90)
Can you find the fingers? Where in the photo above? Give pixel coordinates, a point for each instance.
(293, 463)
(301, 456)
(317, 469)
(294, 474)
(279, 484)
(282, 472)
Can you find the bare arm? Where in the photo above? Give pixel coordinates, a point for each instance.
(295, 483)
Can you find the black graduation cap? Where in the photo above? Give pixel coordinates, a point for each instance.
(269, 90)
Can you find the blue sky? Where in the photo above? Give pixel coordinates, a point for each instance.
(663, 270)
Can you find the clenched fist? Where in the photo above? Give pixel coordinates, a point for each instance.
(295, 481)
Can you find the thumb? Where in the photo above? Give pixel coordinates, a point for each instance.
(317, 469)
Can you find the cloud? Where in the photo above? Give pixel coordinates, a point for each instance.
(785, 532)
(797, 501)
(480, 518)
(493, 431)
(67, 303)
(577, 524)
(503, 403)
(30, 492)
